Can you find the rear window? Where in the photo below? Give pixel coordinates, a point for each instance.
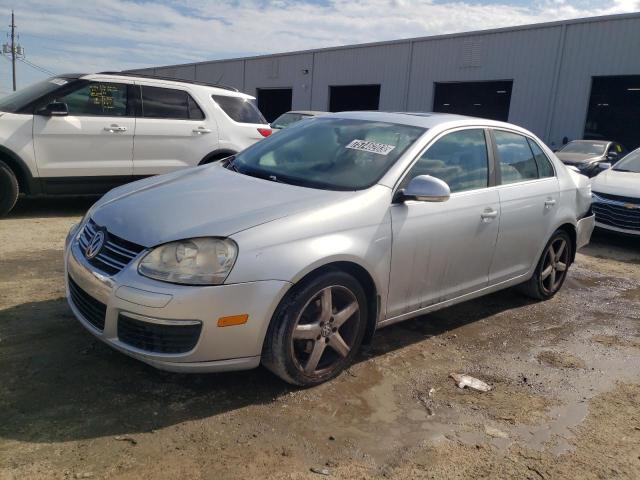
(169, 103)
(241, 110)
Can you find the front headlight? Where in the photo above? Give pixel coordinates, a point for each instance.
(196, 261)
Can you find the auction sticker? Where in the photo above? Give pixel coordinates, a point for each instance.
(373, 147)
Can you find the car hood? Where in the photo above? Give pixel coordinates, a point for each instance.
(576, 158)
(204, 201)
(613, 182)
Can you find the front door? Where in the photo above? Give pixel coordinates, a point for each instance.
(444, 250)
(95, 139)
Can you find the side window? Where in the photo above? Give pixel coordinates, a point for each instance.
(545, 169)
(169, 103)
(97, 99)
(239, 109)
(516, 159)
(459, 158)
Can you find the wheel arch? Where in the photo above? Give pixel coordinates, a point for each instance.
(361, 274)
(570, 229)
(216, 155)
(26, 183)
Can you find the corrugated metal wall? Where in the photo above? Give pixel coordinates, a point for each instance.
(551, 66)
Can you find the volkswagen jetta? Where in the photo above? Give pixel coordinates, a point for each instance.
(294, 251)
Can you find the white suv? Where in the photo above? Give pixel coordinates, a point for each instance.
(85, 134)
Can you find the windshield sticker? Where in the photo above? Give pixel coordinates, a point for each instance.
(372, 147)
(58, 81)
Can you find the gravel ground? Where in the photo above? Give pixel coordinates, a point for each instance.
(564, 404)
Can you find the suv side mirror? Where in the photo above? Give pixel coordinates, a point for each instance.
(613, 155)
(54, 109)
(604, 165)
(425, 188)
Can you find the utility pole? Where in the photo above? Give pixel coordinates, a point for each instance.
(14, 49)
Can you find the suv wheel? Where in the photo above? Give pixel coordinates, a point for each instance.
(552, 268)
(8, 189)
(317, 329)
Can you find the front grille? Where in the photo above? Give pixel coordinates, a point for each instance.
(91, 309)
(618, 198)
(614, 210)
(116, 253)
(156, 337)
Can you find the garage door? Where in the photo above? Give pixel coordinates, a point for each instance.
(273, 102)
(477, 99)
(614, 110)
(354, 97)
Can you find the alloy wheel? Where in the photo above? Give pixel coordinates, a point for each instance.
(554, 266)
(326, 330)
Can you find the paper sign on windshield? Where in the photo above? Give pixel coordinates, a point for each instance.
(373, 147)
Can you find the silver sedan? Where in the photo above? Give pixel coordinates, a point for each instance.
(293, 252)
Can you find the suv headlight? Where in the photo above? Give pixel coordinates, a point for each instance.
(196, 261)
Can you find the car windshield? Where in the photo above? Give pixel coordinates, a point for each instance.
(287, 119)
(586, 148)
(23, 97)
(630, 163)
(329, 153)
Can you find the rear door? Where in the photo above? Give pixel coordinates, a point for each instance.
(172, 131)
(94, 140)
(529, 193)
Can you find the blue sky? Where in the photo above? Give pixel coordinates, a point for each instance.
(95, 35)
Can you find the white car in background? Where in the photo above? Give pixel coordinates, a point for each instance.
(294, 116)
(85, 134)
(616, 196)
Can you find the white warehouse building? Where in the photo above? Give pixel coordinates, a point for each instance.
(574, 79)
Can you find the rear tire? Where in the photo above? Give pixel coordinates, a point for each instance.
(317, 329)
(552, 268)
(9, 189)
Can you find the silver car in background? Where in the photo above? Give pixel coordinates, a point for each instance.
(293, 252)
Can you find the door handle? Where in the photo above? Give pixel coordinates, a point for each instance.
(201, 130)
(115, 128)
(489, 214)
(550, 202)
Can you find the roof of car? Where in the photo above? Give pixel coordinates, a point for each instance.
(422, 119)
(603, 142)
(222, 89)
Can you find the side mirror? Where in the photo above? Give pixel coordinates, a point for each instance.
(54, 109)
(612, 156)
(604, 165)
(425, 188)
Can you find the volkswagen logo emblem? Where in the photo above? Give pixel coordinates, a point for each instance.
(95, 245)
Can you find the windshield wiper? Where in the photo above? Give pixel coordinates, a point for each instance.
(230, 164)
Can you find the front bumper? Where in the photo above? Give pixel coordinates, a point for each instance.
(128, 295)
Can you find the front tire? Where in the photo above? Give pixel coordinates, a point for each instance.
(8, 189)
(317, 330)
(552, 268)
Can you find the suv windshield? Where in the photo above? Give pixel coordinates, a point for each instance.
(630, 163)
(23, 97)
(287, 119)
(586, 148)
(329, 153)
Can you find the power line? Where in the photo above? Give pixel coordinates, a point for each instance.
(37, 67)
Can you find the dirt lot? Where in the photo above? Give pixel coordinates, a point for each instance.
(565, 402)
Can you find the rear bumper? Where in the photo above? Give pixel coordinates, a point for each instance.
(584, 229)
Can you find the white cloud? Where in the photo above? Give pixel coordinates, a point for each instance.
(68, 35)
